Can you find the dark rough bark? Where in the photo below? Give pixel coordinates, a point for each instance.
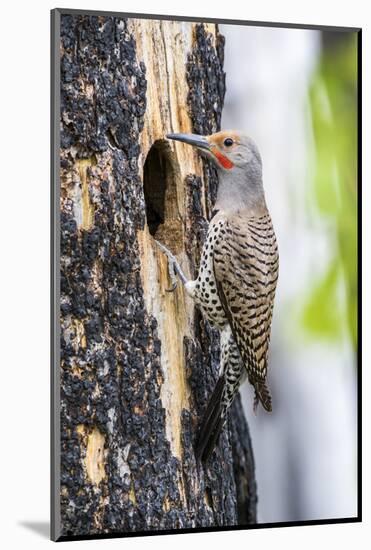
(118, 473)
(206, 81)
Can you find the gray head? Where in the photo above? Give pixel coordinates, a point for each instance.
(239, 166)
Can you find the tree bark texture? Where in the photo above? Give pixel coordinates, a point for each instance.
(138, 363)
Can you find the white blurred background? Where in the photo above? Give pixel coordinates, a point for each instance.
(305, 451)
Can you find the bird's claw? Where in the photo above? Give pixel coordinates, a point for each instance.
(173, 287)
(171, 267)
(172, 274)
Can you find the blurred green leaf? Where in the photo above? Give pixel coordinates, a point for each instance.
(333, 99)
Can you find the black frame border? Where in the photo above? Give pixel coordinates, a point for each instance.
(55, 519)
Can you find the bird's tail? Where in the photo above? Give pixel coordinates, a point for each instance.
(262, 395)
(212, 423)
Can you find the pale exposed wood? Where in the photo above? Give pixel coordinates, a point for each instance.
(163, 46)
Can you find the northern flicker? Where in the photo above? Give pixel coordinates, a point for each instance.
(237, 278)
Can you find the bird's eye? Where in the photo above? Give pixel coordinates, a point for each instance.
(228, 142)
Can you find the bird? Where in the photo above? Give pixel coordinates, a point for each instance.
(236, 283)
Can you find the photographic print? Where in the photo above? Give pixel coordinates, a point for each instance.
(205, 189)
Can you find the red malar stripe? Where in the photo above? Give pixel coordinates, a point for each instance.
(224, 161)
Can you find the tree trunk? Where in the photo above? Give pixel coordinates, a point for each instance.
(138, 363)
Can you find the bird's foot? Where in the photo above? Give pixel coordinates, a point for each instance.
(174, 268)
(172, 274)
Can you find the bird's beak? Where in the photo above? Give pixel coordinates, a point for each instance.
(192, 139)
(207, 148)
